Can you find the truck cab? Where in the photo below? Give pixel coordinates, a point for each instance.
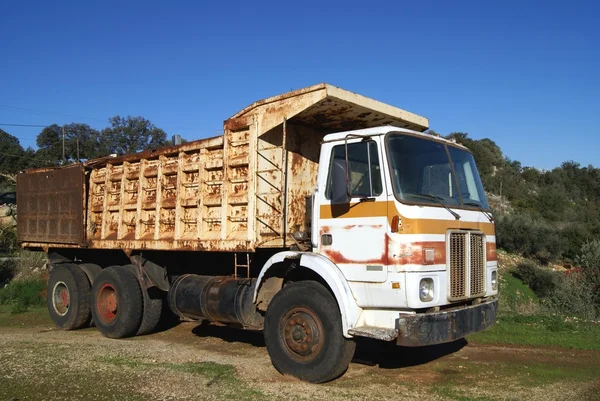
(404, 216)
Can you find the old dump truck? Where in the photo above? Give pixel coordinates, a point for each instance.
(319, 216)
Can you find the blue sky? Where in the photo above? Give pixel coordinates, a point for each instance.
(524, 73)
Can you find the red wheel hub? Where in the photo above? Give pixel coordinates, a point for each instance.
(107, 303)
(302, 334)
(64, 297)
(61, 298)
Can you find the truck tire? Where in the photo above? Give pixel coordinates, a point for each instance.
(68, 297)
(303, 333)
(91, 270)
(153, 306)
(117, 303)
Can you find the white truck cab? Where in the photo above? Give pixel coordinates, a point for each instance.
(404, 217)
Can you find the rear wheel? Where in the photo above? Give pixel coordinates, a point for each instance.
(117, 303)
(303, 333)
(153, 306)
(92, 271)
(68, 297)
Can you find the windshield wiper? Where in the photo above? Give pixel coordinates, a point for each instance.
(439, 200)
(489, 216)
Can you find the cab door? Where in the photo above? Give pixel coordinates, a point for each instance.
(353, 208)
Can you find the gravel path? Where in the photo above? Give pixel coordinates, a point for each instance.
(192, 362)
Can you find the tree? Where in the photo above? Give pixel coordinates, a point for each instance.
(131, 134)
(80, 140)
(487, 154)
(12, 157)
(49, 142)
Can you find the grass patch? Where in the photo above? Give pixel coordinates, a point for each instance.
(215, 372)
(523, 321)
(516, 296)
(221, 375)
(513, 285)
(520, 375)
(23, 294)
(450, 392)
(540, 373)
(541, 331)
(35, 316)
(34, 371)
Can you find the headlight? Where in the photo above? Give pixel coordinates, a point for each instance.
(494, 280)
(426, 290)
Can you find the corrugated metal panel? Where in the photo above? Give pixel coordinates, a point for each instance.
(51, 206)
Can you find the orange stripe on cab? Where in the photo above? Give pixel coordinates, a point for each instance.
(409, 226)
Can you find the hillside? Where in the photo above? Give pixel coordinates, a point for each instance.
(547, 215)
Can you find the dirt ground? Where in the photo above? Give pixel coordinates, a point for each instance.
(192, 362)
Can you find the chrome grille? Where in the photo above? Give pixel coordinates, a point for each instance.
(477, 265)
(467, 265)
(458, 265)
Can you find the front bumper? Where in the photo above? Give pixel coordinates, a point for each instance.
(445, 326)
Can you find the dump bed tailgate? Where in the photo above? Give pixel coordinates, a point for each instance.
(51, 206)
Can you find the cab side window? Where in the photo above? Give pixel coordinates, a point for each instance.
(364, 173)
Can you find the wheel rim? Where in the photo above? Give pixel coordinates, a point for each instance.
(107, 303)
(61, 298)
(302, 334)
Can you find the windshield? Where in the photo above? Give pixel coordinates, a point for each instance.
(422, 172)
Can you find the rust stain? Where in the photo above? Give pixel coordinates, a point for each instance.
(338, 258)
(395, 253)
(236, 124)
(412, 253)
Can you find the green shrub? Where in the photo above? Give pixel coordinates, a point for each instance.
(23, 294)
(524, 234)
(589, 259)
(528, 233)
(541, 281)
(7, 270)
(574, 295)
(8, 240)
(589, 256)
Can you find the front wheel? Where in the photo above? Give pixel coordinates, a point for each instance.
(303, 333)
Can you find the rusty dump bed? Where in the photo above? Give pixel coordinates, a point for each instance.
(228, 193)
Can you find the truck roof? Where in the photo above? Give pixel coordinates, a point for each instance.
(335, 109)
(336, 136)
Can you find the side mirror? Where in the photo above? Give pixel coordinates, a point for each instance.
(339, 182)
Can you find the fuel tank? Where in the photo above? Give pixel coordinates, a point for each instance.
(217, 298)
